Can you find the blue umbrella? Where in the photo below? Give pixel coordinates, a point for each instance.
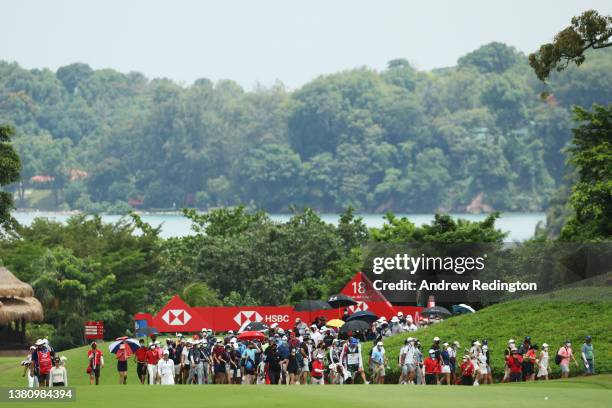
(131, 343)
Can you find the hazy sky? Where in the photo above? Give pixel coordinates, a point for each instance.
(264, 40)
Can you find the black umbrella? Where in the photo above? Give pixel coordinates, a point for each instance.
(341, 300)
(310, 305)
(364, 315)
(255, 326)
(354, 325)
(436, 311)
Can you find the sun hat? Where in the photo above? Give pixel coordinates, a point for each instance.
(436, 338)
(445, 344)
(380, 343)
(39, 342)
(544, 345)
(432, 351)
(477, 343)
(456, 343)
(511, 341)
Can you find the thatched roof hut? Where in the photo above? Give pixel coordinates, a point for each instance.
(17, 301)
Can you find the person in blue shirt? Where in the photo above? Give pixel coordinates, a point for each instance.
(249, 358)
(380, 361)
(588, 356)
(284, 350)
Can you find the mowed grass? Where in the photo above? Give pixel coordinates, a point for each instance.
(593, 393)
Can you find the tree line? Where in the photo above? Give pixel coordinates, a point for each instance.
(475, 136)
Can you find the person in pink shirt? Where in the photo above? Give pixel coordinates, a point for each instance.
(565, 353)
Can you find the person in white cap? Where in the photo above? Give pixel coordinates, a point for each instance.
(152, 358)
(29, 369)
(544, 363)
(165, 369)
(315, 335)
(407, 362)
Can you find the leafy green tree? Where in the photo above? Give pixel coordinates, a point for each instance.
(72, 75)
(591, 155)
(494, 57)
(199, 294)
(590, 30)
(10, 166)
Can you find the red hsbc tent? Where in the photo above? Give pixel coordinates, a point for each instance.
(177, 316)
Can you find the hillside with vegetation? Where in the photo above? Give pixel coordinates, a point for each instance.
(571, 313)
(472, 137)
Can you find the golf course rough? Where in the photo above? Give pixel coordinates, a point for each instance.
(576, 392)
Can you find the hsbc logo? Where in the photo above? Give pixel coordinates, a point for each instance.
(243, 318)
(176, 317)
(359, 307)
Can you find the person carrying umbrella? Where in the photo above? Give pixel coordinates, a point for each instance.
(122, 363)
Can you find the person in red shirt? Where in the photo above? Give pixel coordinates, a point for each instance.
(316, 374)
(515, 363)
(529, 361)
(122, 359)
(432, 368)
(141, 362)
(152, 358)
(96, 362)
(467, 371)
(45, 364)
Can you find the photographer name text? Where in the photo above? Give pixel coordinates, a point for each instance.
(475, 285)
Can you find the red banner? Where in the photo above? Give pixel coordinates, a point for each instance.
(177, 316)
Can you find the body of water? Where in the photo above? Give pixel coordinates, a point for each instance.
(520, 226)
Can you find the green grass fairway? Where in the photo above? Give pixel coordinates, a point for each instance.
(591, 393)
